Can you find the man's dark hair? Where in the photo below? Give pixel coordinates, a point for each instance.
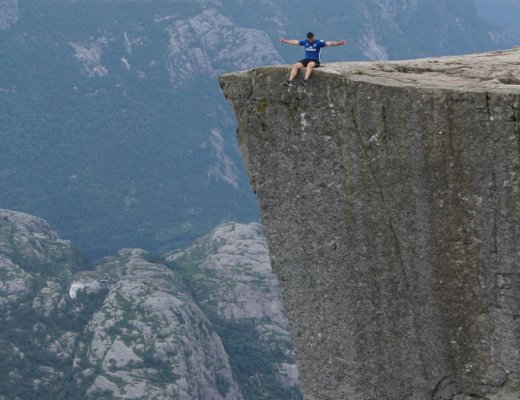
(310, 34)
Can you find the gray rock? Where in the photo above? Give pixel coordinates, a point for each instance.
(150, 340)
(89, 56)
(206, 45)
(48, 298)
(130, 329)
(234, 275)
(231, 277)
(30, 243)
(389, 195)
(36, 334)
(8, 13)
(14, 281)
(30, 250)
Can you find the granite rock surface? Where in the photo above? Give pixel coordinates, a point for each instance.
(390, 199)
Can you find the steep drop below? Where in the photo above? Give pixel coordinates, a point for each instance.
(389, 195)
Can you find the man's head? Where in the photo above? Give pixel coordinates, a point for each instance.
(310, 36)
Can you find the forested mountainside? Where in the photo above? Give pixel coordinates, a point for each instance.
(112, 123)
(208, 324)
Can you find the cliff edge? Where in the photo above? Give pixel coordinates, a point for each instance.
(390, 199)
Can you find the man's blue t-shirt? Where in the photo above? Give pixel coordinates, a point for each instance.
(312, 50)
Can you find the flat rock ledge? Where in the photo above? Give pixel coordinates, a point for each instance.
(390, 199)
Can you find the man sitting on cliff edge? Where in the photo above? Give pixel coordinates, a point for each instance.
(312, 56)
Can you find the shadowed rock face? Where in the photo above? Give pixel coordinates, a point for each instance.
(389, 195)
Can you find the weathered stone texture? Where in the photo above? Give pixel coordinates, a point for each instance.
(389, 195)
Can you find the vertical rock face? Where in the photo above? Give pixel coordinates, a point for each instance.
(389, 195)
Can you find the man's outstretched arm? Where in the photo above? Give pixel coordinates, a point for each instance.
(333, 43)
(290, 41)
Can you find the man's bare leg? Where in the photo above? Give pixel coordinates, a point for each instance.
(308, 70)
(294, 71)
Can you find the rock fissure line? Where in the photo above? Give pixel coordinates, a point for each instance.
(439, 386)
(384, 204)
(493, 173)
(407, 294)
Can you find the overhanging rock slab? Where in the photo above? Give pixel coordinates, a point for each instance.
(390, 199)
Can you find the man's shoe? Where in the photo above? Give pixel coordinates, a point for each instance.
(288, 83)
(304, 82)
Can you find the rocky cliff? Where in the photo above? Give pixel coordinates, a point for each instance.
(389, 195)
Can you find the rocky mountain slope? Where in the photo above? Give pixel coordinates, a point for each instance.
(230, 277)
(149, 339)
(136, 326)
(389, 194)
(118, 107)
(503, 14)
(37, 334)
